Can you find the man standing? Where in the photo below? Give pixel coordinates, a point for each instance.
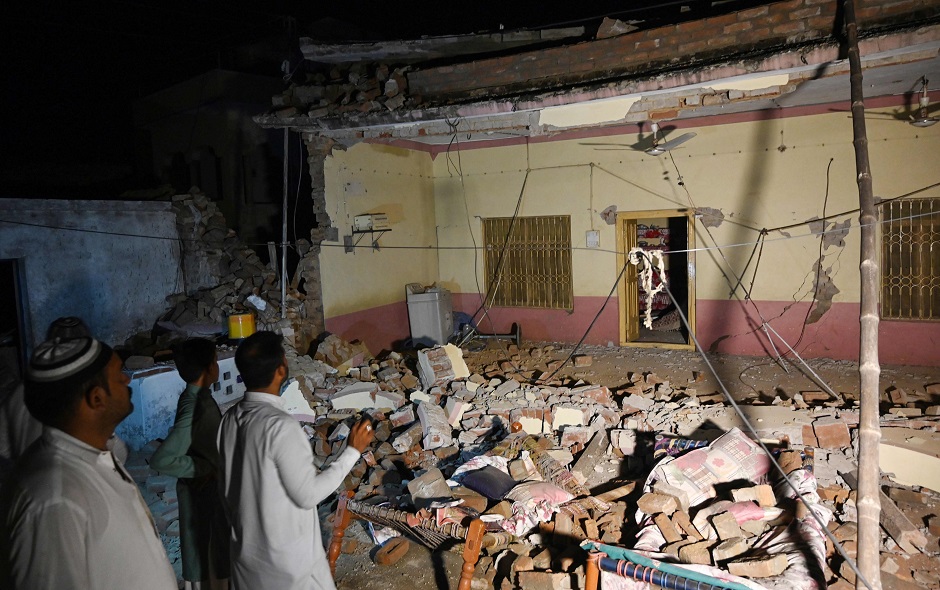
(70, 515)
(190, 454)
(270, 483)
(18, 428)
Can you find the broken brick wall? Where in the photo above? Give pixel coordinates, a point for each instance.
(762, 27)
(222, 276)
(373, 179)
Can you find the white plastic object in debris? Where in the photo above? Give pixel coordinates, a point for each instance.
(257, 302)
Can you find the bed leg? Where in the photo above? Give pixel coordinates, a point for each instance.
(340, 521)
(471, 553)
(592, 575)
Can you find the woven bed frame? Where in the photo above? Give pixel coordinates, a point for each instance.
(426, 532)
(474, 536)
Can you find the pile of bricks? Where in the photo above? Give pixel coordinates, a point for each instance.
(222, 276)
(348, 89)
(432, 413)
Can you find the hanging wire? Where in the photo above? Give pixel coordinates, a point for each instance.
(753, 432)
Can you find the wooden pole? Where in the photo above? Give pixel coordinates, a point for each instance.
(869, 369)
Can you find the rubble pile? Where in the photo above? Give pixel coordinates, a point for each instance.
(222, 277)
(564, 461)
(356, 88)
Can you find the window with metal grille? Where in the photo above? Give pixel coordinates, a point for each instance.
(535, 265)
(910, 260)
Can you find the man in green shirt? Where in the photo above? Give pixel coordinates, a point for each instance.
(189, 453)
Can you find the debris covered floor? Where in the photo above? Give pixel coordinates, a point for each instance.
(598, 416)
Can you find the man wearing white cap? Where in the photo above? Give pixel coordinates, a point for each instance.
(18, 428)
(70, 515)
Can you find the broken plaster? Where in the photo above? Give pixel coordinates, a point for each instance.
(823, 290)
(832, 235)
(709, 216)
(749, 83)
(593, 112)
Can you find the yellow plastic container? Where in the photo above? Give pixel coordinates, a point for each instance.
(241, 325)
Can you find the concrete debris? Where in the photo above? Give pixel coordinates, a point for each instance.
(223, 277)
(350, 88)
(432, 415)
(441, 365)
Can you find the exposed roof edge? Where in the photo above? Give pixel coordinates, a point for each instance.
(521, 113)
(410, 51)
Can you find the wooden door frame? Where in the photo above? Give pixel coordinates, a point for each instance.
(629, 301)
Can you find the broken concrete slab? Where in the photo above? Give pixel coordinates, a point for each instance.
(440, 365)
(592, 455)
(911, 456)
(437, 430)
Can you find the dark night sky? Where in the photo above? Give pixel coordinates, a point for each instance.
(71, 70)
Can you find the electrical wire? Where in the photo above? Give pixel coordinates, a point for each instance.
(591, 325)
(819, 258)
(753, 432)
(730, 267)
(430, 247)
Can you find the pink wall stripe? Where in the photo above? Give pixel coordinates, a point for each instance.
(728, 327)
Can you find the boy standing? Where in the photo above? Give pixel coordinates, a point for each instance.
(189, 453)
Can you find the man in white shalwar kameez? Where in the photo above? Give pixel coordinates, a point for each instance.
(270, 484)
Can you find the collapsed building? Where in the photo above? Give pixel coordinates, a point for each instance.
(464, 165)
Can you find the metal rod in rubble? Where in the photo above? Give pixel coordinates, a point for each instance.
(284, 231)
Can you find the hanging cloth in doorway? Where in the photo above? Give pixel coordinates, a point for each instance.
(653, 259)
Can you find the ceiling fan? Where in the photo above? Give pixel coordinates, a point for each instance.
(658, 149)
(651, 143)
(921, 117)
(918, 117)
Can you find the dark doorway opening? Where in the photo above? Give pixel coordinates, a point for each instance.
(14, 328)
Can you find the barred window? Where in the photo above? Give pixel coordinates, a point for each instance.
(535, 267)
(910, 260)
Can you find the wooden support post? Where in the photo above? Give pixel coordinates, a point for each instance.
(471, 553)
(593, 573)
(869, 367)
(340, 521)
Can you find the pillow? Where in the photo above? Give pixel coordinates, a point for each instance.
(538, 491)
(732, 456)
(489, 481)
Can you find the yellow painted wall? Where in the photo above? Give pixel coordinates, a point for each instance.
(370, 178)
(739, 168)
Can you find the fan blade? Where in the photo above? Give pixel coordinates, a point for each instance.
(643, 144)
(672, 143)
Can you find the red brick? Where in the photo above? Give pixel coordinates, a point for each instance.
(761, 567)
(832, 434)
(788, 28)
(719, 22)
(691, 27)
(737, 27)
(809, 436)
(752, 36)
(804, 13)
(746, 15)
(392, 551)
(820, 23)
(693, 47)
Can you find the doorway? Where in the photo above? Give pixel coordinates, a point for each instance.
(672, 232)
(13, 321)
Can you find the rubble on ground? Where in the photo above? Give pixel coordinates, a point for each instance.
(434, 416)
(223, 276)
